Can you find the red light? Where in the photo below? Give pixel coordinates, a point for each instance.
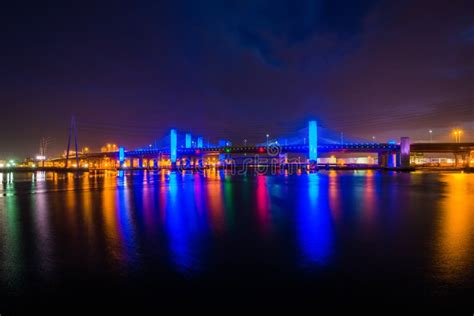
(197, 151)
(261, 149)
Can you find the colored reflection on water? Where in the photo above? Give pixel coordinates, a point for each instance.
(214, 198)
(126, 223)
(130, 225)
(183, 224)
(314, 221)
(229, 201)
(11, 230)
(454, 238)
(263, 203)
(41, 215)
(334, 195)
(369, 201)
(114, 246)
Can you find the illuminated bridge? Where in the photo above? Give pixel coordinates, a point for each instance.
(366, 148)
(310, 151)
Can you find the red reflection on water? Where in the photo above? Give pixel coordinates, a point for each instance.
(263, 202)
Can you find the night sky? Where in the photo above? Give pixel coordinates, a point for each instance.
(130, 70)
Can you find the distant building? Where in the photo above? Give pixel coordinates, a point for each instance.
(109, 148)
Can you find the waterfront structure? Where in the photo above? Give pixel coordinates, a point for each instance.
(310, 151)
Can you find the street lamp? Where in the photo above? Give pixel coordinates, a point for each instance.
(431, 136)
(245, 142)
(268, 135)
(457, 135)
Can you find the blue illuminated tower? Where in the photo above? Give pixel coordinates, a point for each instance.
(121, 156)
(199, 142)
(173, 146)
(188, 140)
(313, 141)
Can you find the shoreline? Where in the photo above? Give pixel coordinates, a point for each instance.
(294, 168)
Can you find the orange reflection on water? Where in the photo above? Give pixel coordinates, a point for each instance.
(456, 227)
(42, 225)
(88, 210)
(369, 197)
(114, 243)
(334, 195)
(163, 194)
(71, 206)
(215, 203)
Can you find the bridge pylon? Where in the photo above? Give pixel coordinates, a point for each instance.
(72, 130)
(313, 144)
(173, 147)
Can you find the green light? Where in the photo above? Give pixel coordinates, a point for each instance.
(227, 150)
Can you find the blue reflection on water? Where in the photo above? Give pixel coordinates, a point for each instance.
(180, 223)
(314, 221)
(126, 224)
(219, 227)
(11, 236)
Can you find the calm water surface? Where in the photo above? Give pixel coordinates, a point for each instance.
(328, 236)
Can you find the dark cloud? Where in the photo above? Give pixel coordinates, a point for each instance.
(468, 34)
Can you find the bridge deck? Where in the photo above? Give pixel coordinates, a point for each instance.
(442, 147)
(272, 150)
(368, 147)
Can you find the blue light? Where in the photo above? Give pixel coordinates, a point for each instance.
(173, 145)
(316, 233)
(121, 155)
(392, 160)
(199, 142)
(184, 228)
(188, 140)
(313, 140)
